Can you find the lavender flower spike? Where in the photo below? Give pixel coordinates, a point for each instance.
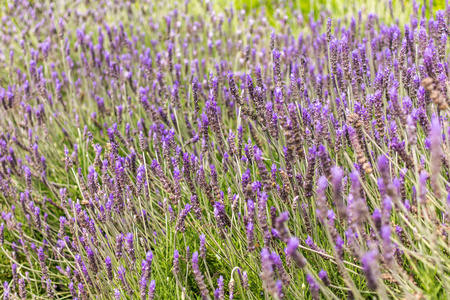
(198, 276)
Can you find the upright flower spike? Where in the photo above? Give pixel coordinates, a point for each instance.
(279, 290)
(370, 267)
(324, 277)
(143, 288)
(221, 217)
(356, 143)
(336, 182)
(92, 260)
(262, 216)
(2, 234)
(176, 262)
(6, 290)
(313, 287)
(411, 130)
(398, 111)
(267, 273)
(250, 237)
(245, 280)
(233, 88)
(108, 265)
(41, 257)
(151, 290)
(262, 170)
(117, 294)
(281, 228)
(309, 179)
(50, 291)
(198, 276)
(147, 266)
(423, 177)
(122, 277)
(220, 284)
(196, 206)
(82, 292)
(388, 250)
(130, 247)
(180, 225)
(22, 289)
(325, 161)
(276, 260)
(203, 246)
(436, 153)
(322, 184)
(291, 250)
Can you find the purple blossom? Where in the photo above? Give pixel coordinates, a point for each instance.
(370, 267)
(324, 277)
(203, 246)
(313, 287)
(176, 262)
(198, 276)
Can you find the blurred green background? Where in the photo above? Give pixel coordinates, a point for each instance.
(401, 9)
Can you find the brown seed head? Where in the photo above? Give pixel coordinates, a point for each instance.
(428, 83)
(354, 120)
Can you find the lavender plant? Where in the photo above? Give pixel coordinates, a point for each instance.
(192, 151)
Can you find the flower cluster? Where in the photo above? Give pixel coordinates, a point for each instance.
(156, 151)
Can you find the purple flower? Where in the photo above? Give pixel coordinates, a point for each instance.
(91, 260)
(180, 225)
(41, 258)
(117, 294)
(2, 235)
(50, 291)
(121, 274)
(324, 277)
(143, 288)
(151, 290)
(119, 245)
(267, 273)
(276, 260)
(291, 250)
(370, 267)
(376, 216)
(72, 289)
(203, 246)
(22, 289)
(423, 187)
(250, 237)
(340, 246)
(220, 215)
(176, 261)
(130, 247)
(108, 267)
(147, 265)
(313, 287)
(336, 182)
(435, 137)
(245, 280)
(82, 291)
(387, 246)
(220, 284)
(322, 184)
(198, 276)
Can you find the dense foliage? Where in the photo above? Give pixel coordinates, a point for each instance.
(195, 151)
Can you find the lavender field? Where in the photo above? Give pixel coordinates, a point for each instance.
(210, 150)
